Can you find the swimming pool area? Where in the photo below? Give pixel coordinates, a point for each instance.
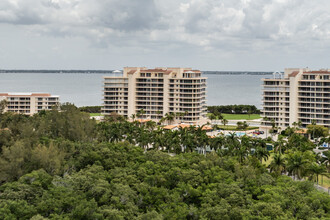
(239, 134)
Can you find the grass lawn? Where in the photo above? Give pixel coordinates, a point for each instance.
(325, 183)
(241, 116)
(94, 114)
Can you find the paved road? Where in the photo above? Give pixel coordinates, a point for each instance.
(252, 123)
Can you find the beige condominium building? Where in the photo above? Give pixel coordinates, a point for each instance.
(297, 95)
(157, 91)
(29, 103)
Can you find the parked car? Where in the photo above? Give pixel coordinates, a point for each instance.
(258, 132)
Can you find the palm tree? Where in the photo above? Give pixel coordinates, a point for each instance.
(242, 125)
(212, 117)
(202, 140)
(180, 115)
(115, 132)
(159, 116)
(274, 129)
(296, 164)
(245, 125)
(261, 153)
(141, 113)
(315, 170)
(232, 142)
(169, 117)
(143, 138)
(326, 159)
(249, 111)
(224, 122)
(299, 142)
(297, 125)
(241, 152)
(158, 139)
(242, 148)
(133, 116)
(150, 125)
(277, 165)
(216, 143)
(167, 140)
(162, 120)
(280, 145)
(312, 128)
(187, 139)
(176, 143)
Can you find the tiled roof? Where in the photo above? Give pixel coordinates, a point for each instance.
(168, 71)
(132, 71)
(184, 125)
(318, 72)
(207, 128)
(169, 127)
(143, 120)
(25, 94)
(293, 74)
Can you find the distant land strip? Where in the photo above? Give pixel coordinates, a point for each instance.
(110, 71)
(237, 73)
(56, 71)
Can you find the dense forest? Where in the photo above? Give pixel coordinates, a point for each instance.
(64, 165)
(233, 109)
(91, 109)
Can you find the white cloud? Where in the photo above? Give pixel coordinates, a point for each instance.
(228, 26)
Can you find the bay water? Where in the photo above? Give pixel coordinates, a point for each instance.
(85, 89)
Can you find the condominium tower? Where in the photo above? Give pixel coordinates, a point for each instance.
(155, 92)
(297, 95)
(28, 103)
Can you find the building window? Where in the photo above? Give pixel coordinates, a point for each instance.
(142, 74)
(148, 75)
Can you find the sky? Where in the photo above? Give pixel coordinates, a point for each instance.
(223, 35)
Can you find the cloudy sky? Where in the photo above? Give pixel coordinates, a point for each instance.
(204, 34)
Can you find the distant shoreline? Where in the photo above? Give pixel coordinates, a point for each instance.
(110, 71)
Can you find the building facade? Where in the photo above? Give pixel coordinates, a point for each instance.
(151, 93)
(298, 95)
(29, 103)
